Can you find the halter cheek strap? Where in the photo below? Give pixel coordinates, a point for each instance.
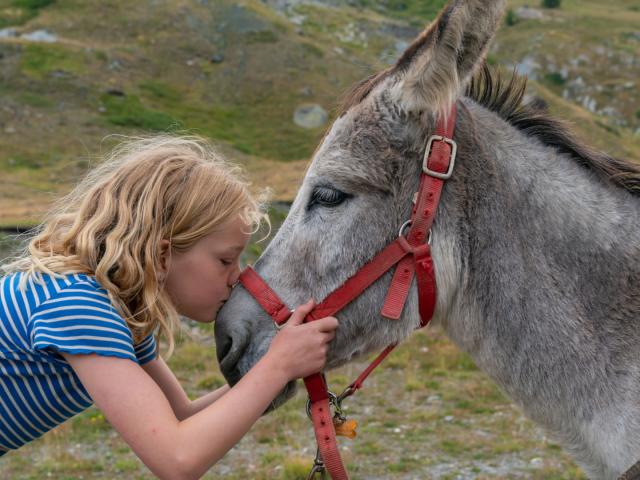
(413, 257)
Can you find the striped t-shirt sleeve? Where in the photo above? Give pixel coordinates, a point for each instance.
(81, 319)
(145, 350)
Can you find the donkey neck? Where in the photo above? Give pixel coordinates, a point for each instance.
(549, 259)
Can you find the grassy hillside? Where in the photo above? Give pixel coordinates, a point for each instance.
(235, 71)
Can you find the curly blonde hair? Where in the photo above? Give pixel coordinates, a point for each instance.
(111, 224)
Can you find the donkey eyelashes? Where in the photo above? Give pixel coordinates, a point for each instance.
(327, 197)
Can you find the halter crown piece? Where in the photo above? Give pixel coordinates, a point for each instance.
(412, 254)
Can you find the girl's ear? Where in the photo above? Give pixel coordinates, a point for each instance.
(434, 70)
(165, 257)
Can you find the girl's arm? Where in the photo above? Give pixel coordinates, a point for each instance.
(137, 408)
(182, 405)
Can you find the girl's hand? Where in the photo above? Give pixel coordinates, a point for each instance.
(300, 349)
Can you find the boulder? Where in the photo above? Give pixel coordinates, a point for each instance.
(310, 116)
(527, 13)
(40, 36)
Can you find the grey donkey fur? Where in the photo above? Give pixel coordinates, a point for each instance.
(536, 243)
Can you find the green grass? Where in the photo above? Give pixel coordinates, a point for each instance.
(40, 60)
(555, 78)
(129, 111)
(18, 12)
(35, 100)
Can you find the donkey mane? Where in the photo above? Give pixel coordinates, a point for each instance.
(504, 96)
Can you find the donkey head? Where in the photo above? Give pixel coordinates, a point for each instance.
(357, 193)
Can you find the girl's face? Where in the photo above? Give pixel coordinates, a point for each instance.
(199, 280)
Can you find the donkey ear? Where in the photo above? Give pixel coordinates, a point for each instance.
(433, 71)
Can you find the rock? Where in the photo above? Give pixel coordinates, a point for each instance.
(589, 103)
(610, 112)
(297, 20)
(536, 462)
(59, 73)
(581, 59)
(310, 116)
(527, 13)
(529, 67)
(217, 58)
(40, 36)
(239, 19)
(8, 33)
(564, 72)
(578, 82)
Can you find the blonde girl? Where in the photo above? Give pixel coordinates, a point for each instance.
(156, 231)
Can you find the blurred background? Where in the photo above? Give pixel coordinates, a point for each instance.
(261, 79)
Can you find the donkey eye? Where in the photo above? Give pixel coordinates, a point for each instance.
(328, 197)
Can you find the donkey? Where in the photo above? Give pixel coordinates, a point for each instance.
(536, 242)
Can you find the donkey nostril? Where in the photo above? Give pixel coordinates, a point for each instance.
(224, 347)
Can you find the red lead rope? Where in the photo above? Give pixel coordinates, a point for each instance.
(413, 256)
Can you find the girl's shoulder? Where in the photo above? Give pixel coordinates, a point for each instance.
(49, 284)
(35, 291)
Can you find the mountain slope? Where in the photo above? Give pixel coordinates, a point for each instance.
(235, 71)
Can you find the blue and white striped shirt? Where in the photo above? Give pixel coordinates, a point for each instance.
(38, 388)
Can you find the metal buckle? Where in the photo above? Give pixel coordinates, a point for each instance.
(333, 400)
(282, 325)
(407, 224)
(318, 467)
(452, 157)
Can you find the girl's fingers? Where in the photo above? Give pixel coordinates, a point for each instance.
(298, 315)
(329, 336)
(327, 324)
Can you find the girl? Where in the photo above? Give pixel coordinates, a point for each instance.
(154, 232)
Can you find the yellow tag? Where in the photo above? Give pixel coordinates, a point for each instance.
(346, 428)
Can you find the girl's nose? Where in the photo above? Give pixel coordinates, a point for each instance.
(234, 276)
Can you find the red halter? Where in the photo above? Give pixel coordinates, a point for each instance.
(413, 256)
